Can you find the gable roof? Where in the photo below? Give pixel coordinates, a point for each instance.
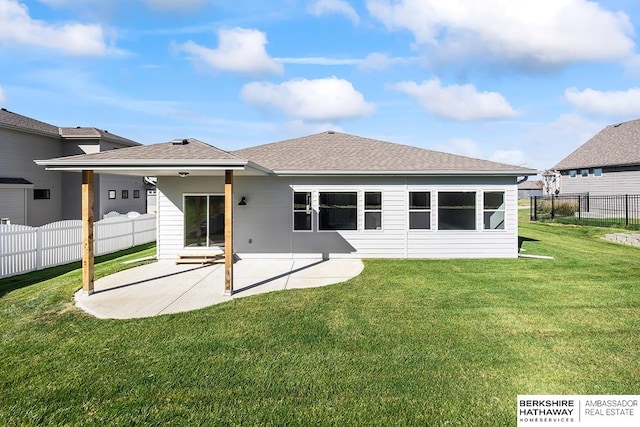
(615, 145)
(335, 152)
(14, 120)
(17, 121)
(324, 153)
(184, 155)
(189, 149)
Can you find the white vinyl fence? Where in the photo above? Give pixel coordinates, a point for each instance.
(24, 248)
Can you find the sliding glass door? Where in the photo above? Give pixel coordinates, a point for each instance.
(203, 220)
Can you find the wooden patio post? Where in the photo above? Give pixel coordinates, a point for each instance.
(228, 232)
(87, 231)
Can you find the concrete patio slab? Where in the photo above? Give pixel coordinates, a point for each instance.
(163, 287)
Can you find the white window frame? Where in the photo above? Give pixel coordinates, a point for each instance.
(430, 193)
(365, 211)
(339, 190)
(573, 173)
(477, 227)
(503, 210)
(184, 200)
(309, 209)
(595, 174)
(584, 173)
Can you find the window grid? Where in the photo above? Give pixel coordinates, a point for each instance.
(494, 210)
(419, 210)
(373, 210)
(302, 212)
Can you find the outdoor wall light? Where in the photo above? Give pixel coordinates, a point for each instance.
(183, 174)
(243, 201)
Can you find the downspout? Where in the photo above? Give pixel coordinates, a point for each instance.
(526, 177)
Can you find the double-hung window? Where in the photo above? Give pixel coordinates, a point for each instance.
(419, 210)
(302, 211)
(373, 210)
(494, 210)
(338, 210)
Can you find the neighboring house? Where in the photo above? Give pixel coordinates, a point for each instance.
(32, 196)
(529, 189)
(608, 163)
(329, 194)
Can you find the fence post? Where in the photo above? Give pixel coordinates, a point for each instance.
(626, 209)
(133, 232)
(579, 207)
(39, 245)
(532, 201)
(553, 207)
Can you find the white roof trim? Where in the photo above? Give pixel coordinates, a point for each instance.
(519, 172)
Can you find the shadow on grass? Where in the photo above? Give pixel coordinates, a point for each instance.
(27, 279)
(522, 239)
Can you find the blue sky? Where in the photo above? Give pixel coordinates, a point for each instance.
(518, 81)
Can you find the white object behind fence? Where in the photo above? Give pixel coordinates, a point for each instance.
(24, 248)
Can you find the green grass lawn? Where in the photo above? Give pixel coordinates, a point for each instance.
(405, 343)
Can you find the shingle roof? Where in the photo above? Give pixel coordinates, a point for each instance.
(530, 185)
(335, 151)
(615, 145)
(91, 132)
(9, 118)
(14, 181)
(12, 119)
(192, 150)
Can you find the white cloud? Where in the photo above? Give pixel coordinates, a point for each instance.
(340, 7)
(19, 29)
(3, 98)
(380, 61)
(239, 50)
(300, 127)
(319, 60)
(607, 103)
(511, 157)
(320, 99)
(545, 33)
(461, 146)
(457, 102)
(175, 5)
(548, 143)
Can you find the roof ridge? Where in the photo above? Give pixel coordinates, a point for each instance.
(338, 151)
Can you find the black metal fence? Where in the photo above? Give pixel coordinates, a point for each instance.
(604, 211)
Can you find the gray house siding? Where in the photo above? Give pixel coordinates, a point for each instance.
(622, 180)
(264, 226)
(18, 150)
(13, 204)
(120, 204)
